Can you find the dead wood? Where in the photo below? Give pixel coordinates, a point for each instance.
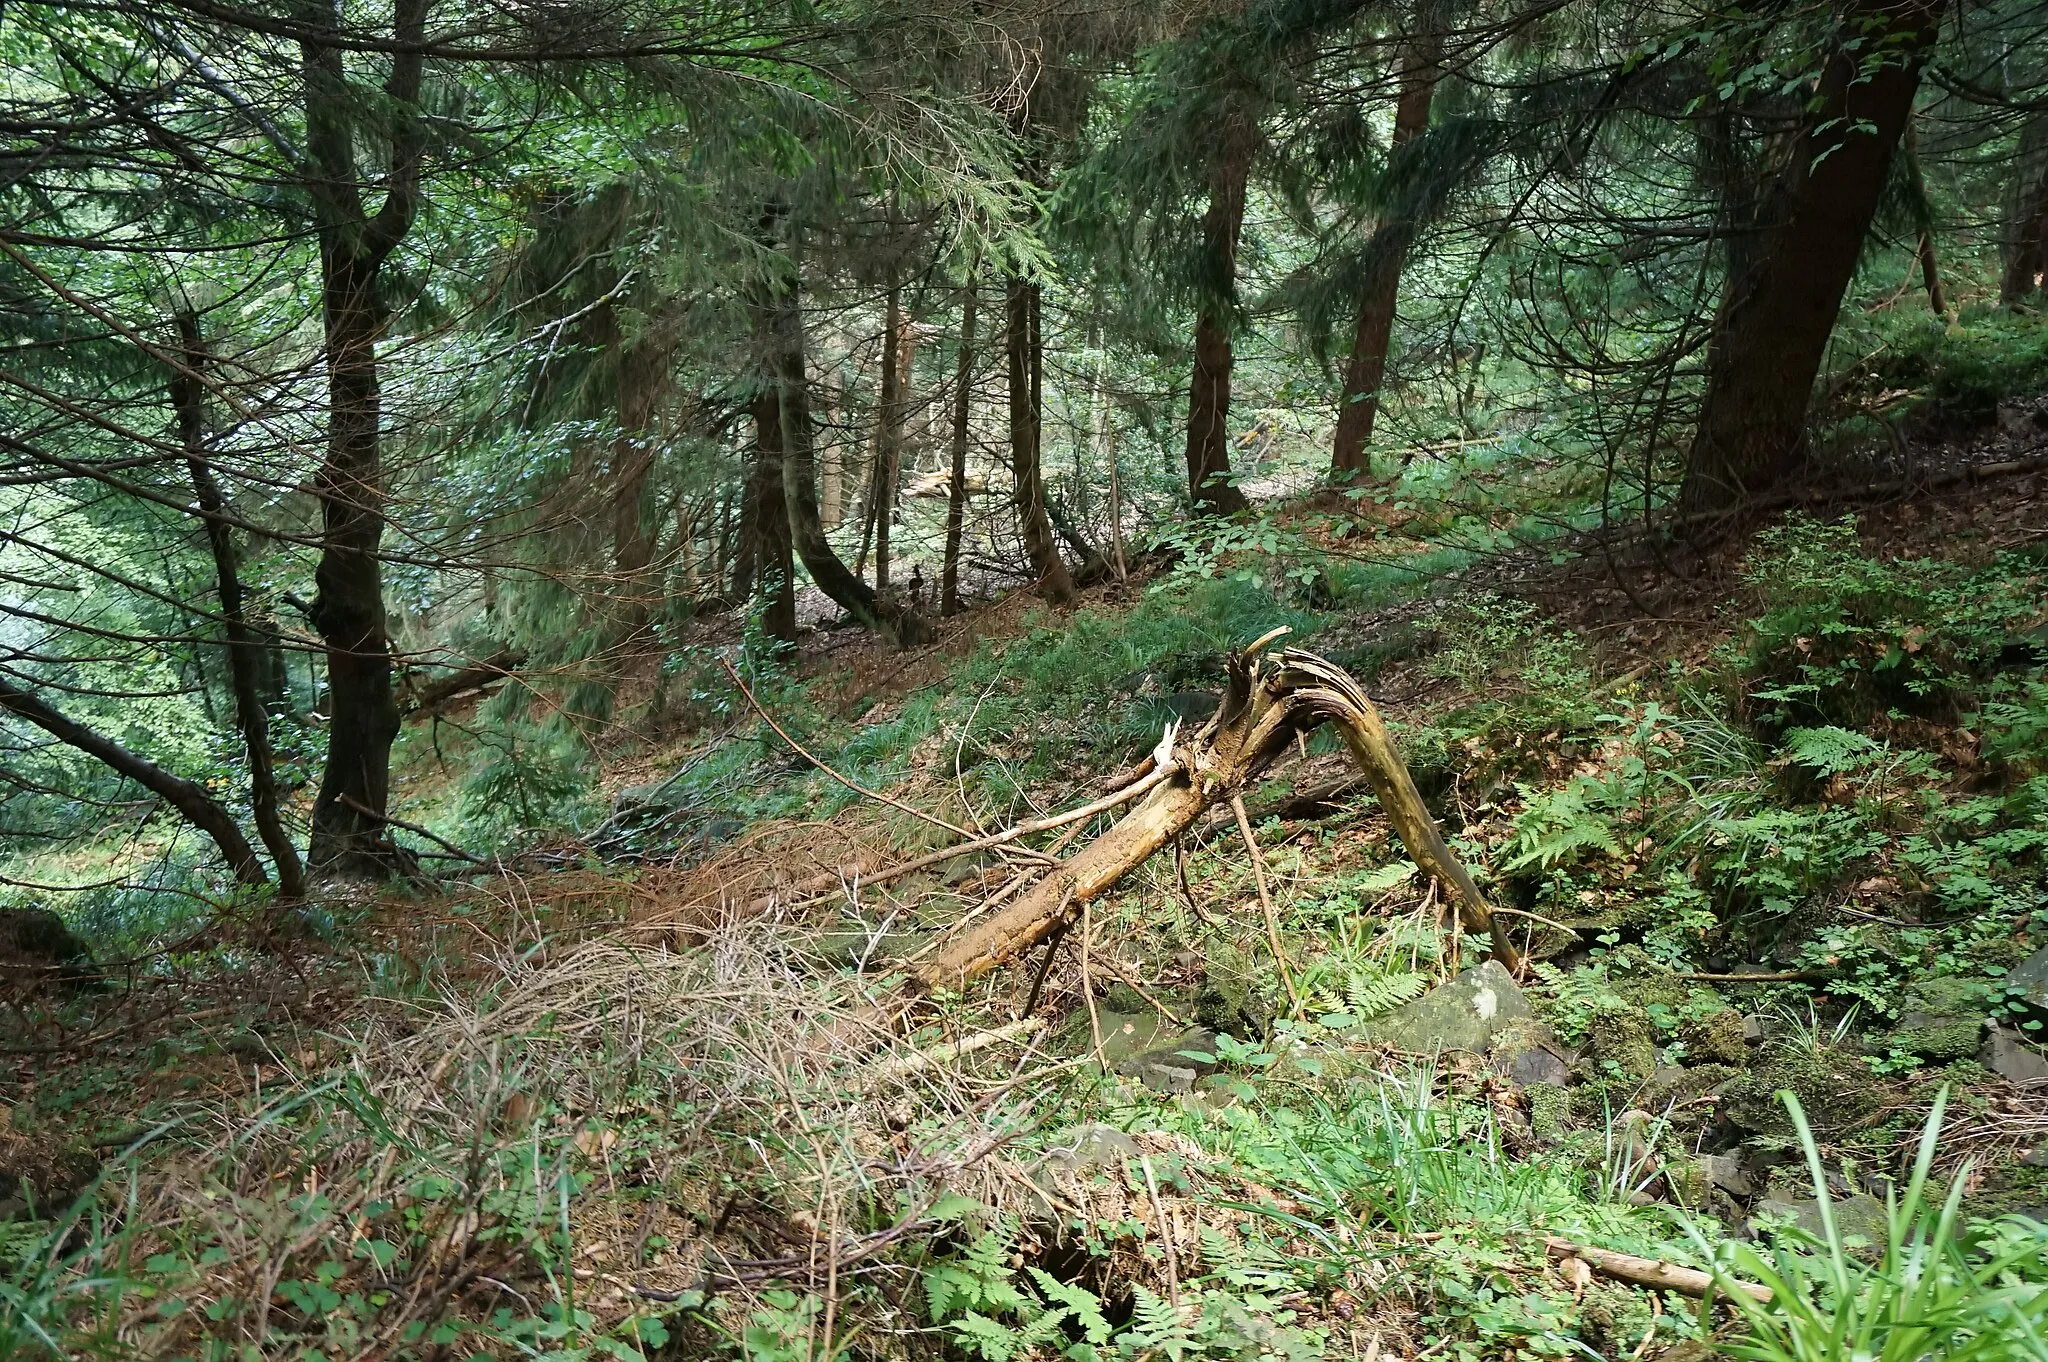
(427, 698)
(1650, 1272)
(1262, 712)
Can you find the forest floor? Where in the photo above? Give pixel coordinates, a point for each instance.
(1772, 823)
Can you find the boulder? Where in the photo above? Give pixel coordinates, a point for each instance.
(2027, 981)
(1464, 1014)
(2006, 1055)
(1861, 1215)
(1941, 1019)
(36, 947)
(1725, 1173)
(1720, 1037)
(1620, 1044)
(1527, 1051)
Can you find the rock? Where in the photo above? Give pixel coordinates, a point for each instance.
(848, 949)
(1720, 1037)
(1837, 1090)
(1861, 1215)
(36, 947)
(1090, 1148)
(2027, 981)
(1161, 1058)
(1550, 1108)
(1756, 1030)
(2010, 1058)
(1527, 1051)
(1621, 1045)
(1465, 1014)
(1727, 1174)
(1941, 1019)
(2038, 1158)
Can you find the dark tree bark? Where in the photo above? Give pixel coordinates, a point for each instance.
(888, 438)
(767, 518)
(1923, 217)
(956, 492)
(1208, 452)
(1022, 345)
(1371, 337)
(779, 323)
(643, 367)
(247, 656)
(2024, 240)
(1785, 285)
(192, 802)
(349, 829)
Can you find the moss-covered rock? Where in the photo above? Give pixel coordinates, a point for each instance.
(1716, 1038)
(1550, 1109)
(1620, 1044)
(1836, 1090)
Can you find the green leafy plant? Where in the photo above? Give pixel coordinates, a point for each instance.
(1921, 1293)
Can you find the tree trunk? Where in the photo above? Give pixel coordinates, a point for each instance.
(1022, 344)
(1923, 216)
(2024, 240)
(642, 368)
(767, 518)
(1208, 453)
(779, 317)
(956, 491)
(832, 476)
(349, 836)
(1367, 367)
(1785, 288)
(248, 668)
(888, 437)
(192, 802)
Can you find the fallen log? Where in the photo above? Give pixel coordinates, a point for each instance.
(423, 700)
(1651, 1272)
(1260, 716)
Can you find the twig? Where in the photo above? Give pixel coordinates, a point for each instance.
(1165, 1232)
(1785, 978)
(1115, 967)
(805, 753)
(1244, 828)
(1052, 948)
(1088, 984)
(416, 830)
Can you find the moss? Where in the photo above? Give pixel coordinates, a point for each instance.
(1716, 1038)
(1550, 1109)
(1941, 1039)
(1837, 1091)
(1620, 1044)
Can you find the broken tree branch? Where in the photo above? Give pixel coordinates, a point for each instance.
(1651, 1272)
(1255, 722)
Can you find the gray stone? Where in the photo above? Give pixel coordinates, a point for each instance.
(1088, 1148)
(2038, 1158)
(1173, 1062)
(2005, 1055)
(1465, 1014)
(1755, 1030)
(1727, 1174)
(2029, 980)
(1861, 1215)
(1527, 1051)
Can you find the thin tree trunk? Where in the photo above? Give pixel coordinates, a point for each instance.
(642, 367)
(956, 491)
(1373, 334)
(1923, 214)
(768, 518)
(888, 437)
(349, 829)
(1208, 451)
(832, 484)
(1026, 431)
(2024, 240)
(780, 319)
(247, 660)
(192, 802)
(1782, 295)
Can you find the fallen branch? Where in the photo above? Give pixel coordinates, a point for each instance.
(917, 1061)
(416, 830)
(1258, 719)
(427, 698)
(1650, 1272)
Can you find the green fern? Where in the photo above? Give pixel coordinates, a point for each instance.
(1368, 995)
(1157, 1329)
(1831, 751)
